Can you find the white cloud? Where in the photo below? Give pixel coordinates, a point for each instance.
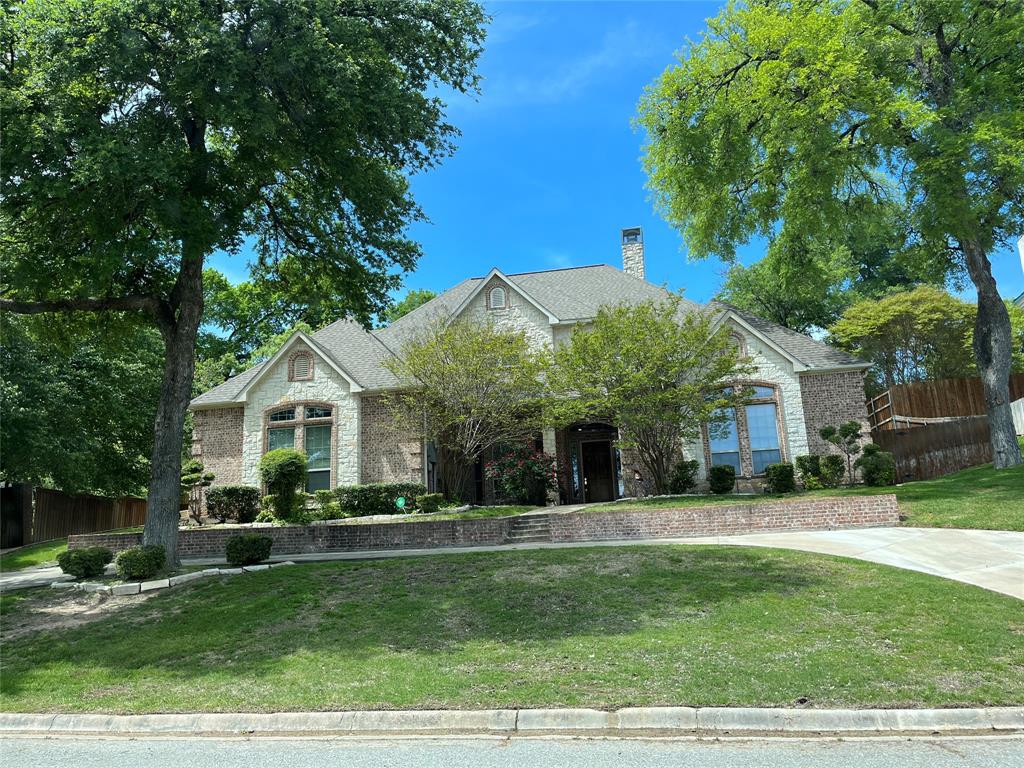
(557, 259)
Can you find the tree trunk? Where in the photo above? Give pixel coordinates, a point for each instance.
(993, 343)
(455, 472)
(179, 334)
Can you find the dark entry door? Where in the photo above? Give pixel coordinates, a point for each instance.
(598, 478)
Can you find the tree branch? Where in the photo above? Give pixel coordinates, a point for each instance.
(148, 304)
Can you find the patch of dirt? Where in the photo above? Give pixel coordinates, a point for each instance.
(65, 610)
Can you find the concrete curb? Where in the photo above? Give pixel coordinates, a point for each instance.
(707, 722)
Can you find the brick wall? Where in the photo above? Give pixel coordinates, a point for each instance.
(296, 539)
(799, 514)
(831, 399)
(388, 454)
(217, 442)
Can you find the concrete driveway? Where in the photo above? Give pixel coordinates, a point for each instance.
(990, 559)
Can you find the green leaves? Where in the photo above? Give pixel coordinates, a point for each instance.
(656, 371)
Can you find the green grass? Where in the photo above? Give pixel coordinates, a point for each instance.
(603, 627)
(980, 497)
(34, 555)
(505, 510)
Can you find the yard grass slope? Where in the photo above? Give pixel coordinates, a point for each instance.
(33, 556)
(655, 625)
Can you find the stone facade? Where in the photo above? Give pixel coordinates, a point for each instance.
(519, 314)
(217, 442)
(273, 389)
(388, 454)
(831, 399)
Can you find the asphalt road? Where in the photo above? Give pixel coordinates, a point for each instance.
(980, 752)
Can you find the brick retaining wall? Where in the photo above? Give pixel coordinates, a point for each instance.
(799, 514)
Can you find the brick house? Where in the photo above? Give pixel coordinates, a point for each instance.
(321, 393)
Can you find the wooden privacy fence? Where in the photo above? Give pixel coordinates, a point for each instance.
(936, 449)
(925, 401)
(58, 514)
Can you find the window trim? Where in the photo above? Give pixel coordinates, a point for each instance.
(300, 353)
(742, 428)
(299, 424)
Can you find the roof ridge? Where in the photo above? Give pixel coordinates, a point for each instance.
(542, 271)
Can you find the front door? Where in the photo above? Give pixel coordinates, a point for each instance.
(598, 476)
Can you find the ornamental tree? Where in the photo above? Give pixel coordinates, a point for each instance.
(469, 388)
(140, 137)
(788, 114)
(657, 371)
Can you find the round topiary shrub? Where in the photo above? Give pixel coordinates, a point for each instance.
(722, 478)
(248, 549)
(876, 466)
(283, 472)
(779, 478)
(683, 477)
(137, 563)
(85, 563)
(240, 503)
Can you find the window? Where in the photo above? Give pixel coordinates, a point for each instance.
(741, 345)
(318, 453)
(281, 438)
(307, 428)
(762, 427)
(749, 438)
(725, 442)
(496, 298)
(300, 366)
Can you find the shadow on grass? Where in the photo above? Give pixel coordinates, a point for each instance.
(431, 605)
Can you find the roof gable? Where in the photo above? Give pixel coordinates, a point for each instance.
(298, 336)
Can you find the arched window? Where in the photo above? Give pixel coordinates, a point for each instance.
(497, 298)
(307, 427)
(748, 438)
(740, 342)
(300, 366)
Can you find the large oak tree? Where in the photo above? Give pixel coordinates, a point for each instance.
(141, 136)
(790, 112)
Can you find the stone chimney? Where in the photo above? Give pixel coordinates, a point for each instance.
(633, 252)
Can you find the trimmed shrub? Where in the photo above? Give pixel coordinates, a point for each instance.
(283, 472)
(429, 503)
(812, 483)
(378, 498)
(240, 503)
(137, 563)
(85, 563)
(722, 478)
(779, 478)
(808, 466)
(683, 477)
(876, 466)
(832, 470)
(248, 549)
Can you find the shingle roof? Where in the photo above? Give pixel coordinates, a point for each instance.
(810, 352)
(570, 294)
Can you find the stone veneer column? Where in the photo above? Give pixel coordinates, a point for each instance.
(550, 445)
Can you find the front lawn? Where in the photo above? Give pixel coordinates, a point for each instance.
(33, 556)
(980, 497)
(601, 627)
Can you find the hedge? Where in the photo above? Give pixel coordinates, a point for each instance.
(85, 563)
(429, 503)
(240, 503)
(779, 478)
(722, 478)
(683, 477)
(248, 549)
(876, 466)
(378, 498)
(144, 562)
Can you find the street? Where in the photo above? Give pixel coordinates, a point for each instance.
(978, 752)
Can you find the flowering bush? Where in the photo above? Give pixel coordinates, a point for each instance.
(522, 474)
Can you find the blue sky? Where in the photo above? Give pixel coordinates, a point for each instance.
(548, 167)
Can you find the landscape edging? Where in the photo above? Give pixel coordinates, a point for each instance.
(631, 721)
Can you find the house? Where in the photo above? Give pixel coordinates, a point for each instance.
(322, 393)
